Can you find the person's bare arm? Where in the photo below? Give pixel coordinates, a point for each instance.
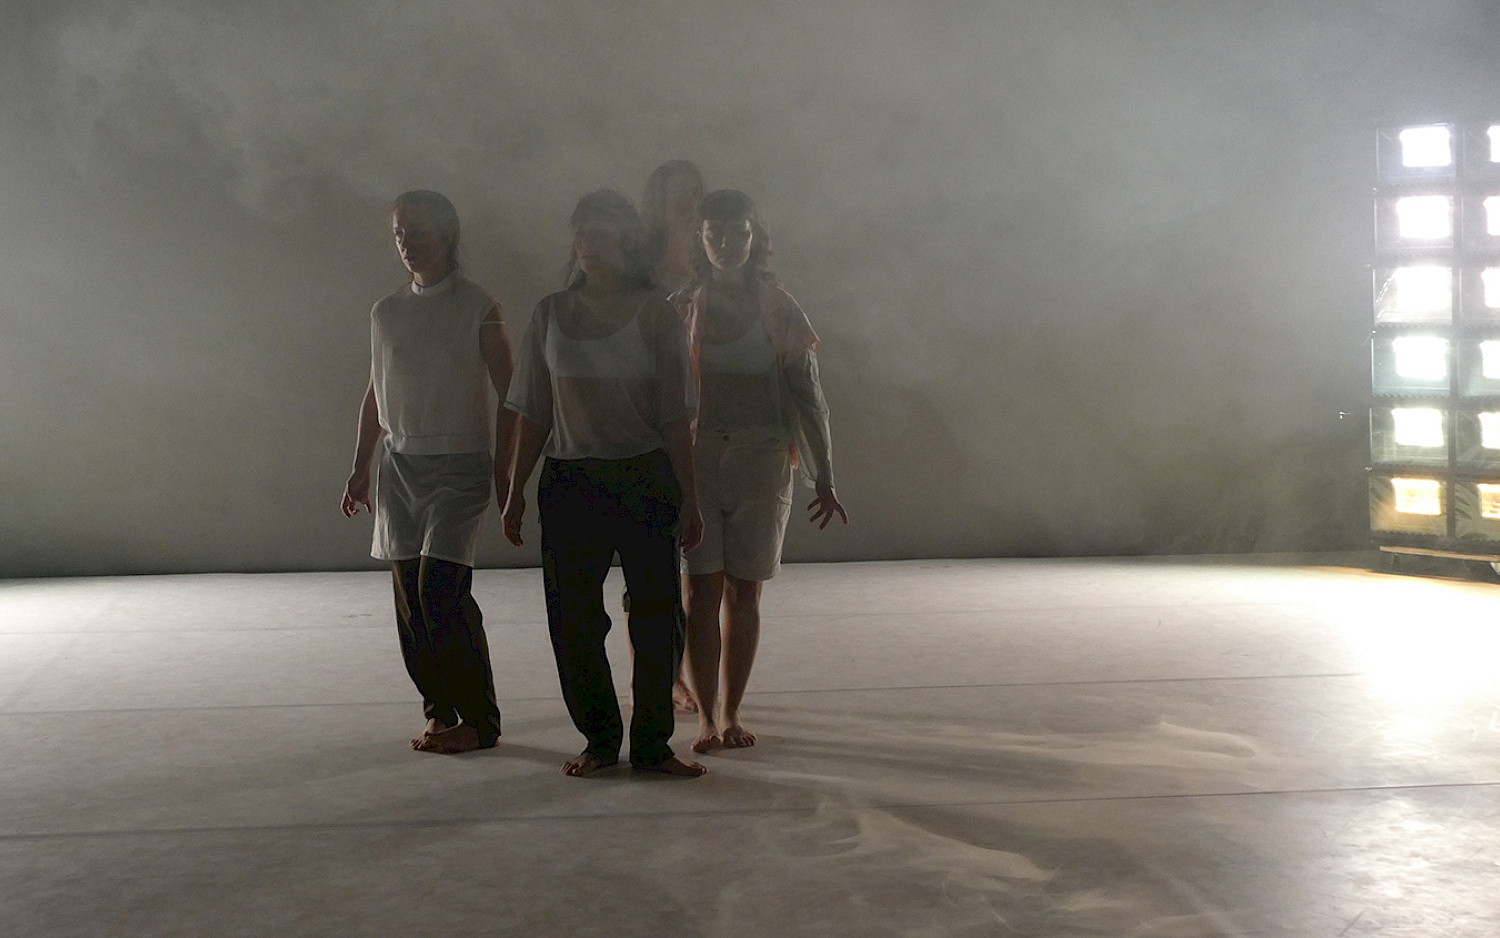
(530, 438)
(812, 414)
(494, 344)
(679, 438)
(357, 488)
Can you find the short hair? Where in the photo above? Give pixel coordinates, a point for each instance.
(444, 216)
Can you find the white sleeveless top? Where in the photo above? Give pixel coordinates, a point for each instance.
(431, 382)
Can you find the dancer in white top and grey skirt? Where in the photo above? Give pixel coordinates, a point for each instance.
(605, 391)
(437, 346)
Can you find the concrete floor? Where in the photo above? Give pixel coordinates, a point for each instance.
(1024, 747)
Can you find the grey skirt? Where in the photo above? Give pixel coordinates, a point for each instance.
(431, 506)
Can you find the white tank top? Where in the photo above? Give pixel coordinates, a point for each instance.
(741, 387)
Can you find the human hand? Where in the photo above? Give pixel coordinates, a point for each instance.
(357, 493)
(515, 507)
(825, 506)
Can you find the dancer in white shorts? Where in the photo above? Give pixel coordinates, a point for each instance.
(761, 410)
(437, 346)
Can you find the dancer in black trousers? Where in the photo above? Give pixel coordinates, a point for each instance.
(605, 391)
(437, 345)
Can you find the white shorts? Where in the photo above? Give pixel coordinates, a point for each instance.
(431, 506)
(745, 495)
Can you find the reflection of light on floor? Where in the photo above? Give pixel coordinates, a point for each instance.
(1408, 658)
(1394, 852)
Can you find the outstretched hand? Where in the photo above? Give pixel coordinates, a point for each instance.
(826, 506)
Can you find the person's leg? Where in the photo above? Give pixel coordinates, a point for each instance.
(645, 534)
(705, 595)
(741, 638)
(416, 649)
(683, 700)
(462, 653)
(575, 561)
(754, 532)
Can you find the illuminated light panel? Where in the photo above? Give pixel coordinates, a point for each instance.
(1489, 357)
(1492, 215)
(1424, 217)
(1424, 357)
(1418, 426)
(1418, 496)
(1490, 277)
(1489, 500)
(1426, 146)
(1425, 289)
(1489, 431)
(1495, 143)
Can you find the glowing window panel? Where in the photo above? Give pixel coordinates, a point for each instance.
(1417, 496)
(1424, 217)
(1418, 426)
(1426, 289)
(1489, 359)
(1426, 146)
(1489, 500)
(1492, 215)
(1490, 277)
(1495, 143)
(1423, 357)
(1489, 431)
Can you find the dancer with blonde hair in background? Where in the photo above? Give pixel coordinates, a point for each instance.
(761, 410)
(437, 345)
(669, 211)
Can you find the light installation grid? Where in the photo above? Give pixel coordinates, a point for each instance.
(1434, 474)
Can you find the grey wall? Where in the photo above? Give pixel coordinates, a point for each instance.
(1091, 276)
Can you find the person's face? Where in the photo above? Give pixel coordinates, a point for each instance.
(423, 249)
(683, 193)
(599, 245)
(727, 242)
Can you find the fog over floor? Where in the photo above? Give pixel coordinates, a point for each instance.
(1091, 277)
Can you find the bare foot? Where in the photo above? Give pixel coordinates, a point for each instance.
(708, 738)
(461, 738)
(683, 700)
(676, 767)
(586, 764)
(433, 726)
(737, 737)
